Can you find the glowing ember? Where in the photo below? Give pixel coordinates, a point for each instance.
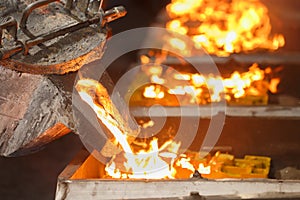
(223, 27)
(204, 89)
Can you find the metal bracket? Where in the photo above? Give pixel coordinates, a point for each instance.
(26, 13)
(88, 7)
(101, 18)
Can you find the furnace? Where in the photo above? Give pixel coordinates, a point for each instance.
(226, 62)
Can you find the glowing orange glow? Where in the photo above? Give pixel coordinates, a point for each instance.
(180, 45)
(157, 80)
(88, 90)
(223, 27)
(238, 85)
(176, 25)
(155, 70)
(177, 43)
(274, 84)
(198, 80)
(153, 92)
(144, 59)
(148, 160)
(185, 77)
(204, 170)
(144, 164)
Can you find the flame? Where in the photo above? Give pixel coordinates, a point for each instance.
(149, 160)
(146, 164)
(153, 163)
(223, 27)
(204, 169)
(254, 82)
(157, 80)
(153, 92)
(274, 84)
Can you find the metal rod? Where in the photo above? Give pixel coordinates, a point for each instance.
(26, 13)
(113, 14)
(101, 4)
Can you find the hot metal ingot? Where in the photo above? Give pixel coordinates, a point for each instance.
(248, 167)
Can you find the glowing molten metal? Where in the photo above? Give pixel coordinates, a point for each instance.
(223, 27)
(202, 89)
(149, 160)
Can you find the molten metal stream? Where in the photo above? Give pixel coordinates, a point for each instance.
(149, 161)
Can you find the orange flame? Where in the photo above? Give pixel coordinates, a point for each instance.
(148, 160)
(143, 164)
(146, 164)
(153, 92)
(223, 27)
(195, 85)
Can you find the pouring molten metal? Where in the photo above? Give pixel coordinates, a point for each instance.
(149, 160)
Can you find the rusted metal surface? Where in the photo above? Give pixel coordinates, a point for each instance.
(9, 24)
(56, 68)
(34, 112)
(7, 7)
(55, 40)
(100, 19)
(26, 13)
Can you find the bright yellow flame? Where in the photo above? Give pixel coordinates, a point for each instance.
(154, 162)
(185, 163)
(144, 59)
(146, 164)
(178, 90)
(181, 76)
(223, 27)
(204, 170)
(153, 92)
(177, 43)
(198, 80)
(215, 86)
(180, 45)
(238, 85)
(274, 84)
(155, 70)
(176, 25)
(156, 79)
